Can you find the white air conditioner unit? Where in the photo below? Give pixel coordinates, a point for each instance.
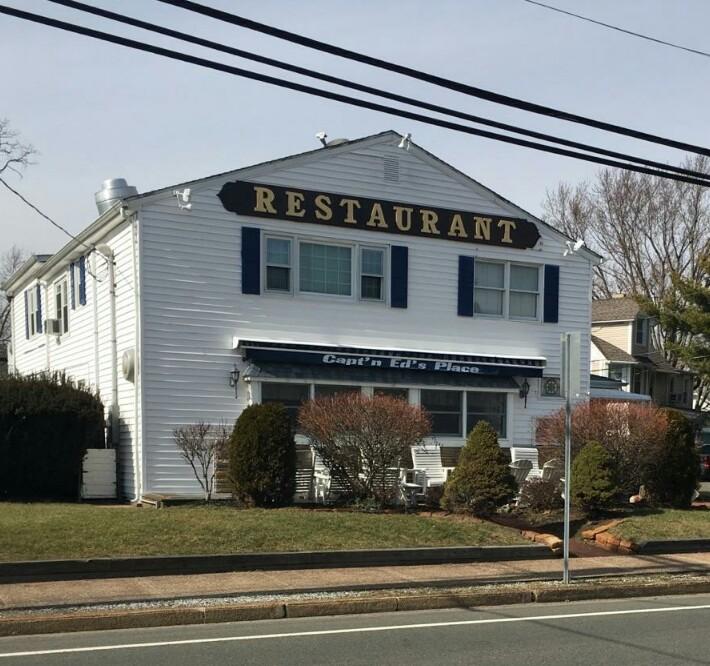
(53, 326)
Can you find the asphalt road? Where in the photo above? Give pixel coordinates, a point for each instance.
(659, 630)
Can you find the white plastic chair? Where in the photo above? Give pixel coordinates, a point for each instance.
(521, 469)
(428, 459)
(527, 453)
(552, 470)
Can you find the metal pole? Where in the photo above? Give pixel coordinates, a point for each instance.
(568, 450)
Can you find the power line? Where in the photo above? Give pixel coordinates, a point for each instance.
(618, 29)
(122, 18)
(457, 86)
(326, 94)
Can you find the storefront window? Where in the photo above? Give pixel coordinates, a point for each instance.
(325, 269)
(393, 392)
(444, 408)
(325, 390)
(486, 406)
(291, 396)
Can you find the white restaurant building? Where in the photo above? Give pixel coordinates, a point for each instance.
(360, 264)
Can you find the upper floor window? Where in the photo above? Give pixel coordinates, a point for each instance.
(372, 273)
(325, 269)
(34, 312)
(641, 335)
(61, 305)
(278, 264)
(503, 289)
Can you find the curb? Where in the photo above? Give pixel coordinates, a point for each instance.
(670, 546)
(132, 619)
(44, 570)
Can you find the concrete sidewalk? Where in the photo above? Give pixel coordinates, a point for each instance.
(15, 596)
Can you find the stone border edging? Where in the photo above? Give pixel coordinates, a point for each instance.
(130, 619)
(603, 538)
(670, 546)
(194, 564)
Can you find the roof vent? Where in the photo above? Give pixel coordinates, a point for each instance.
(391, 169)
(113, 190)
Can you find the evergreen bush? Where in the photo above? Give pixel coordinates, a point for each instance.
(46, 426)
(262, 456)
(593, 487)
(482, 481)
(673, 468)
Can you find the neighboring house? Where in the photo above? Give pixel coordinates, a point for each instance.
(622, 349)
(357, 266)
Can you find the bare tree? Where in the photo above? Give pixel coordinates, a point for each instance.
(202, 445)
(14, 155)
(10, 261)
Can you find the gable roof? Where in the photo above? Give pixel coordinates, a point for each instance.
(611, 352)
(615, 309)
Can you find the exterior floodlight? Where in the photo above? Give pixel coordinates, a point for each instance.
(406, 140)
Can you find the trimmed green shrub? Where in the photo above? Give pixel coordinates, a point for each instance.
(262, 456)
(482, 481)
(46, 426)
(672, 471)
(593, 487)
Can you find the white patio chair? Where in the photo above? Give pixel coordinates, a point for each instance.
(428, 459)
(552, 470)
(527, 453)
(520, 469)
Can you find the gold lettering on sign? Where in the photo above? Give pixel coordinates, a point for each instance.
(377, 217)
(323, 209)
(429, 222)
(507, 226)
(264, 200)
(293, 204)
(457, 228)
(403, 222)
(350, 206)
(482, 230)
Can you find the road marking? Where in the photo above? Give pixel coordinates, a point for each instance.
(332, 632)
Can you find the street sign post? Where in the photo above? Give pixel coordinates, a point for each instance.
(570, 355)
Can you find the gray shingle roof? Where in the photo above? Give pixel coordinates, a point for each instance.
(615, 309)
(612, 352)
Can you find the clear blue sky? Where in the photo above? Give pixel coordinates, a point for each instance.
(97, 111)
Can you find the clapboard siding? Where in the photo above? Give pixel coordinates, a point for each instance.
(193, 305)
(76, 352)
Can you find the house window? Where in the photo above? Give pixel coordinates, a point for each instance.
(489, 288)
(61, 305)
(444, 407)
(291, 396)
(33, 312)
(372, 273)
(616, 372)
(325, 269)
(328, 390)
(524, 292)
(486, 406)
(636, 380)
(278, 264)
(642, 331)
(392, 392)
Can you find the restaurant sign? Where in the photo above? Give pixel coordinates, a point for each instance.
(338, 210)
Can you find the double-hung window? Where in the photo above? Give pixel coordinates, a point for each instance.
(489, 288)
(325, 269)
(372, 273)
(61, 305)
(524, 291)
(33, 315)
(278, 264)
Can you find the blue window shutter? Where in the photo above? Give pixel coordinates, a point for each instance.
(82, 280)
(39, 309)
(466, 267)
(27, 316)
(251, 251)
(551, 294)
(71, 284)
(399, 276)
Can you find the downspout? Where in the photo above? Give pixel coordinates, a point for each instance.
(107, 252)
(95, 299)
(137, 372)
(47, 336)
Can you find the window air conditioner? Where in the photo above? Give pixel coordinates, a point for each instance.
(53, 326)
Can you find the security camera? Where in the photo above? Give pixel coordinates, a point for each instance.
(578, 245)
(322, 136)
(406, 140)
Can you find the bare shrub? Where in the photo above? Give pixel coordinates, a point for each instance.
(360, 438)
(201, 445)
(537, 495)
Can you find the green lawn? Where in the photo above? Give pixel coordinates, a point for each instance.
(665, 524)
(50, 531)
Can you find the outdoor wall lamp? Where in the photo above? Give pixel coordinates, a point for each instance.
(524, 390)
(234, 380)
